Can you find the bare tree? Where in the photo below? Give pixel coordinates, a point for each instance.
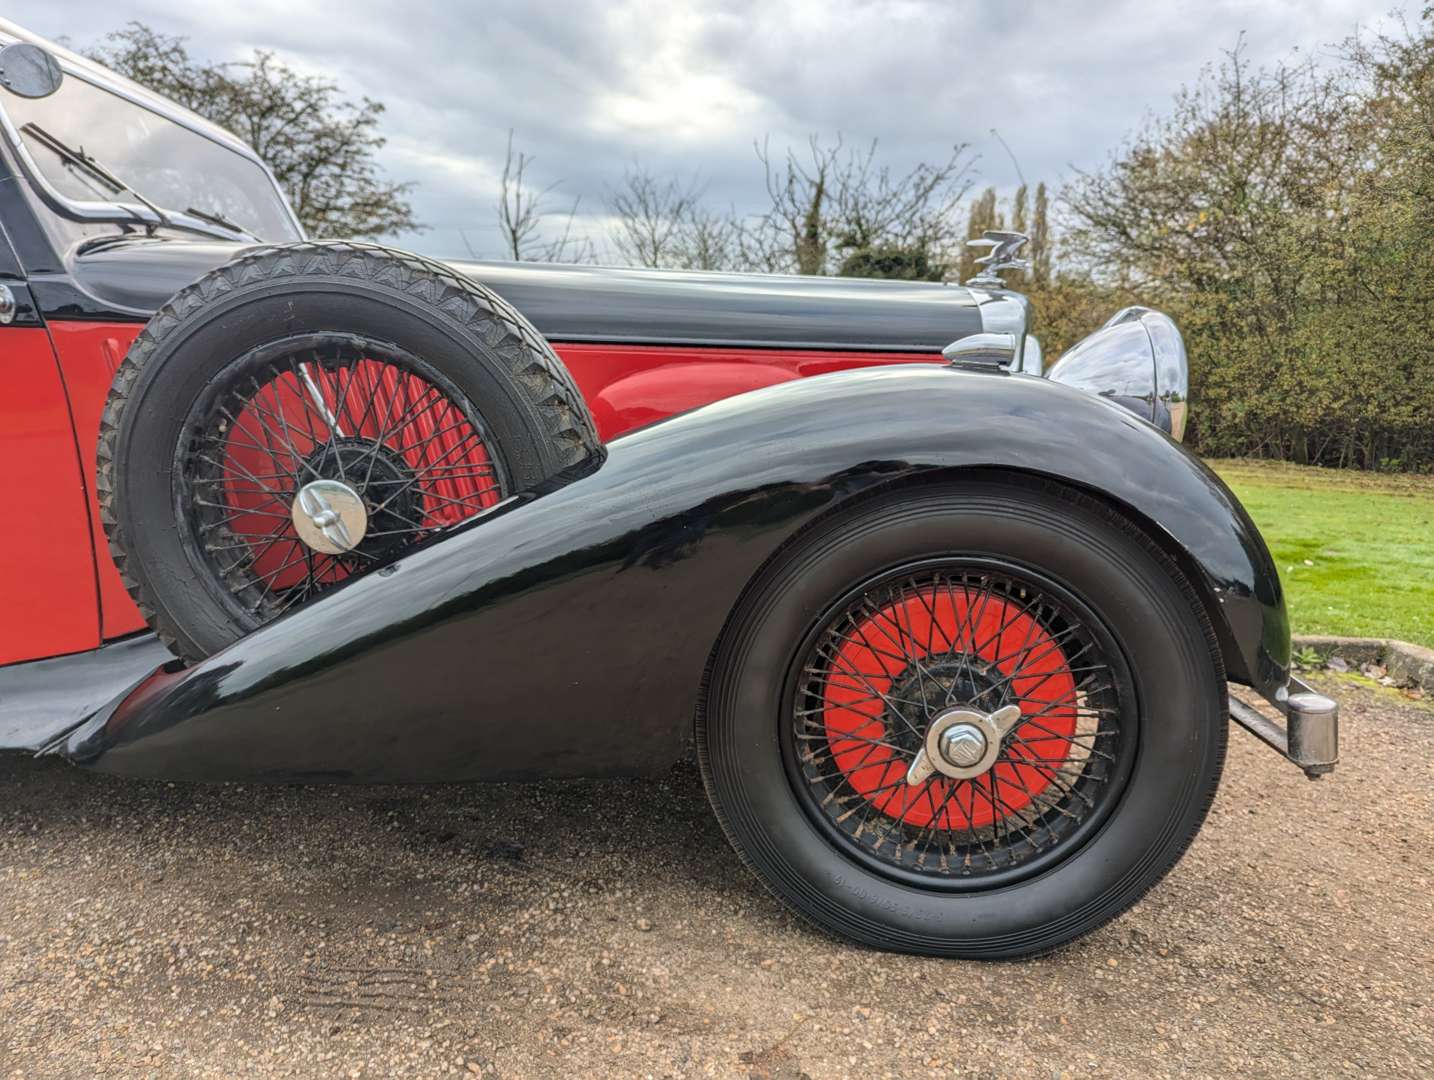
(709, 241)
(829, 209)
(875, 204)
(322, 146)
(840, 201)
(651, 215)
(521, 216)
(795, 227)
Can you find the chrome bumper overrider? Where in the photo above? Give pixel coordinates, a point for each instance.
(1310, 735)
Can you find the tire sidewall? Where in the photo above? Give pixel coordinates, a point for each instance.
(1179, 747)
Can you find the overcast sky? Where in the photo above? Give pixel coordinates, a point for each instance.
(685, 86)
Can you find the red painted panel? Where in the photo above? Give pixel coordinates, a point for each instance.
(89, 353)
(47, 570)
(626, 386)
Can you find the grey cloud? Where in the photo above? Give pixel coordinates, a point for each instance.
(687, 86)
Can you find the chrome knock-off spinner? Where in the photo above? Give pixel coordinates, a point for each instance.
(329, 516)
(962, 743)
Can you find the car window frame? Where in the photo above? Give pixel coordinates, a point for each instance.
(100, 210)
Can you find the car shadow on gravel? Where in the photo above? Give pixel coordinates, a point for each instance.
(357, 839)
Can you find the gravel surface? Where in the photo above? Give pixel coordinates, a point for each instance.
(606, 929)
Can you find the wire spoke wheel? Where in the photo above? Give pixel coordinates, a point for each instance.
(946, 639)
(976, 717)
(313, 459)
(308, 413)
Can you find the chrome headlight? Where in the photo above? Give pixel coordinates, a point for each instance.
(1137, 359)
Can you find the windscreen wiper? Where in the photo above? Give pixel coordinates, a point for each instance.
(91, 165)
(220, 220)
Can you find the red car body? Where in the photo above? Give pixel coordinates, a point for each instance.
(57, 570)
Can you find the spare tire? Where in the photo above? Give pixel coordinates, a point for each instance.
(305, 413)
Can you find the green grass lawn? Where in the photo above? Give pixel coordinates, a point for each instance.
(1355, 550)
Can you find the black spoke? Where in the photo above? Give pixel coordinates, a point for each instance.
(873, 679)
(380, 422)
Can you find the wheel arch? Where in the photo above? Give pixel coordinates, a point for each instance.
(1226, 649)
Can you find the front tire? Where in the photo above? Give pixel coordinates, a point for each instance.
(885, 620)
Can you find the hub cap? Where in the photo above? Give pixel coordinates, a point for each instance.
(962, 743)
(330, 516)
(962, 746)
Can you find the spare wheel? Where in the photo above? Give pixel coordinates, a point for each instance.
(307, 412)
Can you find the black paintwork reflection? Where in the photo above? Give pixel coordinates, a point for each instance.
(131, 279)
(567, 635)
(42, 700)
(24, 313)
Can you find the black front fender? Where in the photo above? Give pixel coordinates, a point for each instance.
(567, 634)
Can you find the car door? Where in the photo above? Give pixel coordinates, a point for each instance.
(47, 560)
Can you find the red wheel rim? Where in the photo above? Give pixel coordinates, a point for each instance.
(959, 642)
(373, 417)
(938, 621)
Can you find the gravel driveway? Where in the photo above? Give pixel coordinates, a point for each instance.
(607, 929)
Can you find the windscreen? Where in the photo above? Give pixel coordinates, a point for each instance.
(170, 165)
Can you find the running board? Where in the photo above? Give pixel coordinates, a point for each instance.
(43, 700)
(1310, 735)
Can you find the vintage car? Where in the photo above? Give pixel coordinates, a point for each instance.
(948, 633)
